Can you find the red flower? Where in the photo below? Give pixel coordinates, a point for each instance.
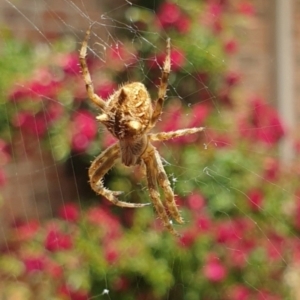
(168, 14)
(230, 46)
(214, 270)
(26, 231)
(105, 89)
(255, 198)
(271, 169)
(262, 123)
(232, 78)
(33, 124)
(121, 284)
(56, 241)
(196, 202)
(3, 179)
(111, 255)
(109, 223)
(203, 223)
(246, 8)
(240, 292)
(70, 64)
(33, 264)
(54, 270)
(44, 85)
(73, 294)
(227, 232)
(187, 238)
(275, 246)
(4, 153)
(84, 130)
(198, 115)
(69, 212)
(183, 24)
(177, 59)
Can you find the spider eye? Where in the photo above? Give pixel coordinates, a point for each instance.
(135, 125)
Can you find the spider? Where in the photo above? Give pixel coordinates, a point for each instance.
(129, 115)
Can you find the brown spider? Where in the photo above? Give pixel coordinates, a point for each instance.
(129, 115)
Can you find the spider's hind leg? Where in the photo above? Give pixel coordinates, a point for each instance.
(156, 174)
(99, 168)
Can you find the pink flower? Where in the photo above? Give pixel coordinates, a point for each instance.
(26, 231)
(239, 292)
(3, 179)
(168, 13)
(111, 255)
(73, 294)
(271, 169)
(255, 197)
(70, 64)
(230, 46)
(183, 24)
(196, 202)
(69, 212)
(54, 111)
(214, 270)
(55, 270)
(33, 264)
(121, 284)
(43, 85)
(262, 123)
(187, 238)
(246, 8)
(84, 130)
(275, 245)
(109, 223)
(56, 241)
(177, 59)
(105, 89)
(203, 223)
(225, 97)
(32, 124)
(232, 78)
(227, 232)
(4, 153)
(198, 115)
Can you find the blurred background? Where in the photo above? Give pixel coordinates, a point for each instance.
(234, 71)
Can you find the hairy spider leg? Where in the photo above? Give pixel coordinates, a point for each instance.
(151, 163)
(162, 89)
(86, 74)
(164, 183)
(163, 136)
(100, 166)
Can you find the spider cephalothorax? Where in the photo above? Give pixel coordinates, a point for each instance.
(127, 116)
(130, 115)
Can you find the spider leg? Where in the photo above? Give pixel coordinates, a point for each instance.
(162, 90)
(86, 74)
(162, 136)
(152, 162)
(99, 168)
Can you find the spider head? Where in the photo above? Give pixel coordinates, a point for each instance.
(128, 112)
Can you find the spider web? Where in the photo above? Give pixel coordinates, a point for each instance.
(184, 175)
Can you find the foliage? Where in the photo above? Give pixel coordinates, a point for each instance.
(242, 225)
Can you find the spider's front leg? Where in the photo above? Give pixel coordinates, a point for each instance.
(162, 90)
(156, 174)
(99, 167)
(86, 74)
